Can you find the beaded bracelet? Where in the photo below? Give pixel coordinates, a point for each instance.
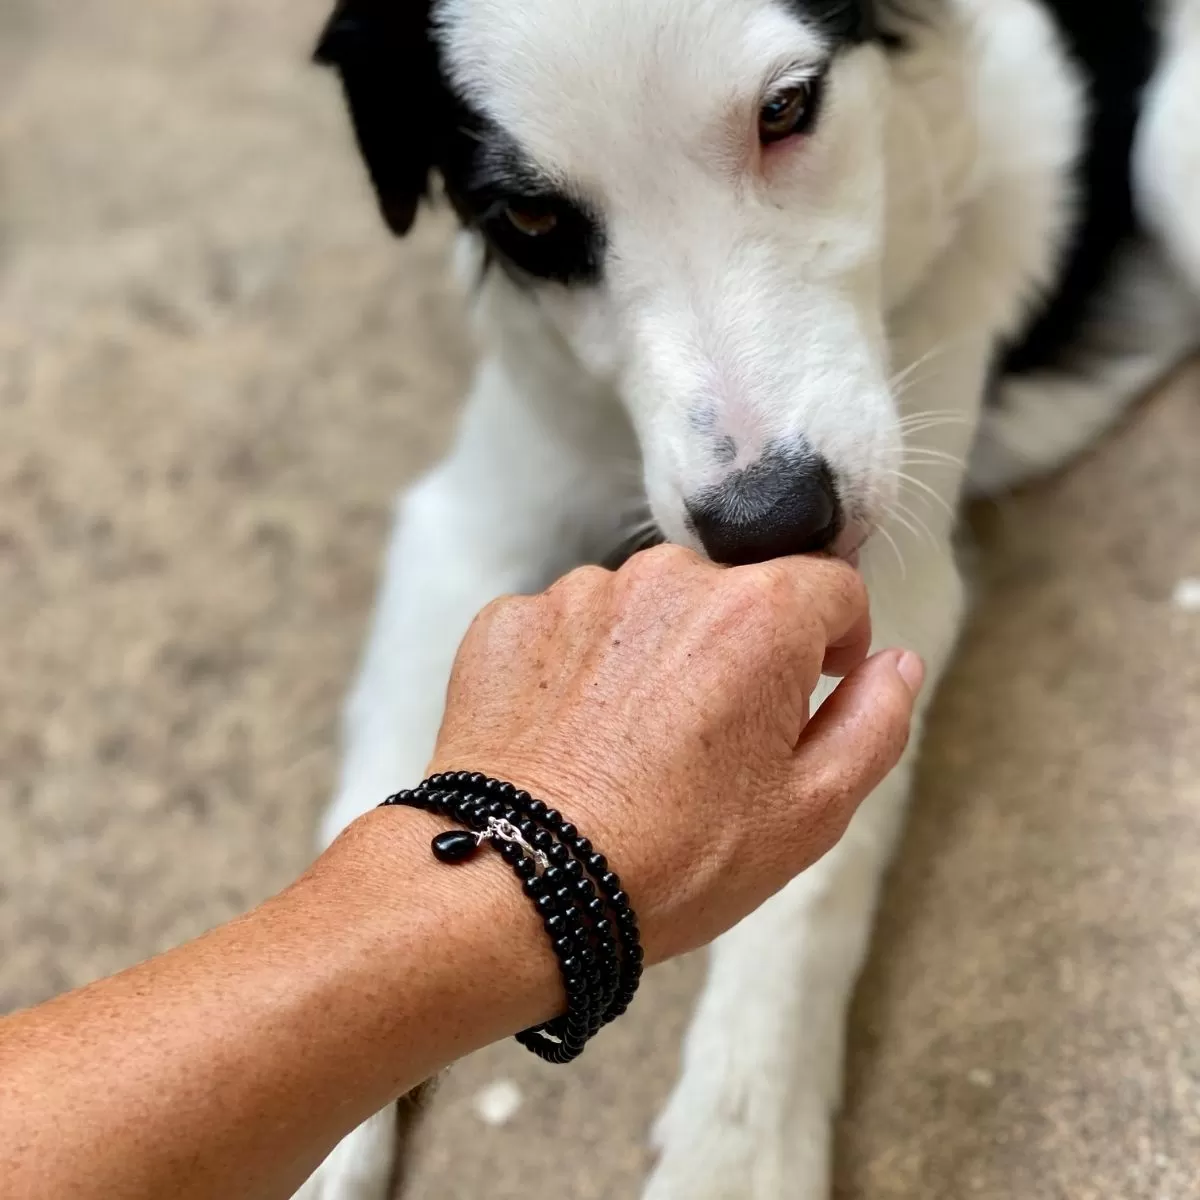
(592, 927)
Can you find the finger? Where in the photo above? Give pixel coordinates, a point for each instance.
(825, 599)
(855, 739)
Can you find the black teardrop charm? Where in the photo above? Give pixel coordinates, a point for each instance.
(454, 846)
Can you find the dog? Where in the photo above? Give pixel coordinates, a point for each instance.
(761, 277)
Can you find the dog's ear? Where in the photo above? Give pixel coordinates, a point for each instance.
(386, 57)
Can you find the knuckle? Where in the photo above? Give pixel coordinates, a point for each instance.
(657, 561)
(581, 581)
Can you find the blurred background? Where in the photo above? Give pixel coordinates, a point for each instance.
(216, 369)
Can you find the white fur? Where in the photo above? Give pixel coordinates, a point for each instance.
(853, 290)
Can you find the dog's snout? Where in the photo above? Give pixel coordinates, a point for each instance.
(783, 504)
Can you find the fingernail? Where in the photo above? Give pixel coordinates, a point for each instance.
(912, 670)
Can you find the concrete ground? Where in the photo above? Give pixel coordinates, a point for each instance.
(215, 369)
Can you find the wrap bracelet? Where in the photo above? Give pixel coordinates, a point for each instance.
(586, 914)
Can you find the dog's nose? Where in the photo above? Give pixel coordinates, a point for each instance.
(780, 505)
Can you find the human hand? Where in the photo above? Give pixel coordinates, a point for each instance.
(664, 708)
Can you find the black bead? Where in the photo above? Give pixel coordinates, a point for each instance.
(526, 868)
(454, 846)
(583, 889)
(494, 808)
(618, 900)
(596, 908)
(527, 829)
(572, 869)
(597, 863)
(559, 854)
(563, 946)
(635, 954)
(572, 964)
(609, 883)
(602, 928)
(567, 831)
(536, 808)
(575, 984)
(556, 925)
(546, 904)
(511, 853)
(523, 800)
(553, 878)
(583, 846)
(533, 888)
(552, 816)
(542, 840)
(563, 896)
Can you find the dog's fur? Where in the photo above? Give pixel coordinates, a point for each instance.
(964, 258)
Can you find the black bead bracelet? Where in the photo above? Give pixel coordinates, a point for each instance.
(586, 914)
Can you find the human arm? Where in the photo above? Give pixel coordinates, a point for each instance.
(664, 708)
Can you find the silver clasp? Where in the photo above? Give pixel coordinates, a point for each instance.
(500, 830)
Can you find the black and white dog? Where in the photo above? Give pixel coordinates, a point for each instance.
(765, 277)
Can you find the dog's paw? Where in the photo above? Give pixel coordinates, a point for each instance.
(735, 1145)
(360, 1166)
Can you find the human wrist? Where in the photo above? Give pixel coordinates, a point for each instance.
(459, 952)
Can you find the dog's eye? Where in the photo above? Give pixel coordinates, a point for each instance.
(788, 113)
(530, 219)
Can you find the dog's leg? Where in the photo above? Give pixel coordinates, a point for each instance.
(750, 1116)
(517, 503)
(520, 499)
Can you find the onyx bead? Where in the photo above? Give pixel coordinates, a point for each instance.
(454, 846)
(572, 869)
(535, 808)
(609, 883)
(597, 863)
(583, 846)
(542, 840)
(556, 925)
(545, 904)
(553, 878)
(559, 854)
(526, 868)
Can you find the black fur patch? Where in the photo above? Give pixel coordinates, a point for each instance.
(408, 124)
(389, 70)
(1115, 44)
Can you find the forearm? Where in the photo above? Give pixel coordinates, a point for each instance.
(228, 1067)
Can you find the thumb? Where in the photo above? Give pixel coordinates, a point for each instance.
(853, 742)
